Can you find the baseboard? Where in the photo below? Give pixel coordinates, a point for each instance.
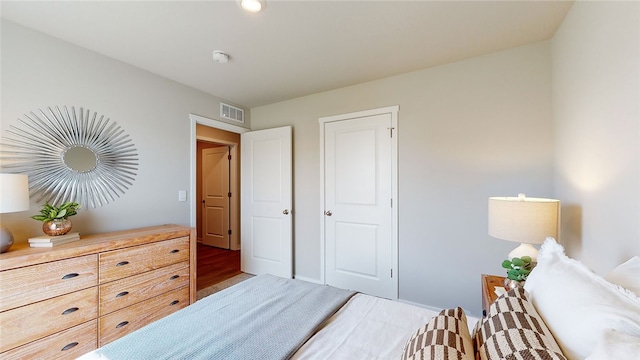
(468, 313)
(311, 280)
(432, 308)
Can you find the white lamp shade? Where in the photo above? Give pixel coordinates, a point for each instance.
(523, 219)
(14, 193)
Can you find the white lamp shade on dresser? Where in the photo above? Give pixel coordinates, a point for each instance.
(14, 197)
(14, 193)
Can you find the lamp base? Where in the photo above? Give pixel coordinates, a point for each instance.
(524, 250)
(6, 239)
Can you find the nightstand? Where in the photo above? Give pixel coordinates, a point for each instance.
(489, 282)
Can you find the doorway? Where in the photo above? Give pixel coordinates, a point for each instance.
(258, 157)
(208, 140)
(215, 203)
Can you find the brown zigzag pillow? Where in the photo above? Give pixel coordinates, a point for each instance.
(446, 336)
(514, 330)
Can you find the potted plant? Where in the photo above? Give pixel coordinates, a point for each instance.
(518, 270)
(56, 219)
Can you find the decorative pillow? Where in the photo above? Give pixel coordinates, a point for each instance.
(514, 330)
(576, 304)
(446, 336)
(616, 345)
(627, 275)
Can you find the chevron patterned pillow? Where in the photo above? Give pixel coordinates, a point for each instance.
(514, 330)
(446, 336)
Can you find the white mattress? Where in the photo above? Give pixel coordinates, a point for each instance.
(367, 327)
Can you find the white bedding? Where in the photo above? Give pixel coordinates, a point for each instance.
(367, 327)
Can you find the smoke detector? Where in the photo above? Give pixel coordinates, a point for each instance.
(220, 57)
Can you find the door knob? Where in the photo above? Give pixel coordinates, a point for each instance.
(328, 213)
(286, 212)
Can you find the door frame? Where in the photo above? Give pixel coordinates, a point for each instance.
(393, 110)
(197, 119)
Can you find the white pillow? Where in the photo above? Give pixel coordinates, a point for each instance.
(577, 305)
(627, 275)
(616, 345)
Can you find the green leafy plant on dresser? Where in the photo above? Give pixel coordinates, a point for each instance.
(50, 212)
(518, 269)
(55, 219)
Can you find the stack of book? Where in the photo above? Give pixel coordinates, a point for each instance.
(49, 241)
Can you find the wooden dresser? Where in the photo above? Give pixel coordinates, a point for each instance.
(64, 301)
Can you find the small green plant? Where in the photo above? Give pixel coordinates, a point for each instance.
(518, 268)
(50, 212)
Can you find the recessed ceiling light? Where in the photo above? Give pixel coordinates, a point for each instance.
(220, 57)
(253, 6)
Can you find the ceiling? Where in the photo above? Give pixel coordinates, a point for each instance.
(292, 48)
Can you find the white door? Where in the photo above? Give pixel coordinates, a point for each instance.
(215, 197)
(266, 199)
(359, 193)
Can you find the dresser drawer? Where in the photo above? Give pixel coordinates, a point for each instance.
(134, 289)
(39, 282)
(118, 264)
(32, 322)
(122, 322)
(67, 344)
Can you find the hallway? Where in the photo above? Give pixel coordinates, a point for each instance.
(215, 265)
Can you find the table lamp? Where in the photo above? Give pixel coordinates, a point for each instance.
(14, 197)
(524, 220)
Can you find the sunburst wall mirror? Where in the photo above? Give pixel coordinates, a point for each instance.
(71, 156)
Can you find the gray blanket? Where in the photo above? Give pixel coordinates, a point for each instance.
(265, 317)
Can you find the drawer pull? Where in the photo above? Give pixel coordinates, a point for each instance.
(121, 324)
(174, 277)
(175, 251)
(122, 263)
(70, 276)
(69, 346)
(70, 310)
(174, 302)
(122, 294)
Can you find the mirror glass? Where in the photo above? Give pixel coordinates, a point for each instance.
(80, 159)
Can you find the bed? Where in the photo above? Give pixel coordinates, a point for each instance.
(564, 312)
(268, 317)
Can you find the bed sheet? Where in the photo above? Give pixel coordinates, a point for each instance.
(367, 327)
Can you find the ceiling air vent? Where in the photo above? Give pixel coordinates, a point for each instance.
(231, 112)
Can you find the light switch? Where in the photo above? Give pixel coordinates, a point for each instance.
(182, 195)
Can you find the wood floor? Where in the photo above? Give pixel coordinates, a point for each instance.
(215, 265)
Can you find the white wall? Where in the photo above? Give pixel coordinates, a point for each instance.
(467, 130)
(596, 100)
(40, 71)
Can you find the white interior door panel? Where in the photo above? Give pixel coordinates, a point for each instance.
(360, 235)
(215, 192)
(267, 219)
